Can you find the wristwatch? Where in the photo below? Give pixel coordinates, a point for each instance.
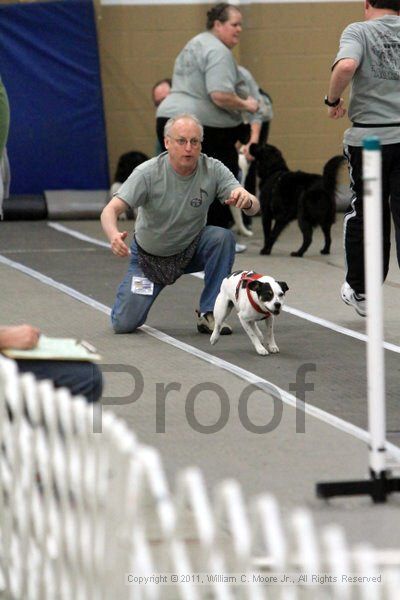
(331, 104)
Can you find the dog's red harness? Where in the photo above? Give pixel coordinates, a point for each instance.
(246, 278)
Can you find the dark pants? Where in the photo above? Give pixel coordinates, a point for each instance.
(353, 220)
(80, 377)
(218, 142)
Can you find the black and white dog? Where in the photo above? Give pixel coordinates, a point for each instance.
(256, 297)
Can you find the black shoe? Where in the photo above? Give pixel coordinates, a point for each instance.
(205, 324)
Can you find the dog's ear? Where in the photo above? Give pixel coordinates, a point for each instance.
(254, 286)
(284, 286)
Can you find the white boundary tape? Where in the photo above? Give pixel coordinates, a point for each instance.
(78, 235)
(251, 378)
(293, 311)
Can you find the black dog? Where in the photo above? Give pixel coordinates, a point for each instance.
(126, 164)
(287, 195)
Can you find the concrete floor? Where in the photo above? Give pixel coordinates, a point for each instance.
(285, 461)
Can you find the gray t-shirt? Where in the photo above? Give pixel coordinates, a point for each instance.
(204, 65)
(172, 209)
(375, 90)
(264, 112)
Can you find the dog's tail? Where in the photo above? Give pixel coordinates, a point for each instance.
(331, 175)
(331, 172)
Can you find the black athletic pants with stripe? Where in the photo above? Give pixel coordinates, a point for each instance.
(353, 220)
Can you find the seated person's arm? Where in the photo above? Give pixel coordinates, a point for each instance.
(21, 337)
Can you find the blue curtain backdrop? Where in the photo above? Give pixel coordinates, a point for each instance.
(50, 66)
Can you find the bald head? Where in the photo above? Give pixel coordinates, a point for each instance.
(186, 119)
(160, 90)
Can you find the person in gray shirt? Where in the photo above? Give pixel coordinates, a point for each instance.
(206, 82)
(258, 121)
(259, 128)
(172, 193)
(369, 60)
(159, 92)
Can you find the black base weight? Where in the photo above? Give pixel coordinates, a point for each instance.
(25, 207)
(378, 487)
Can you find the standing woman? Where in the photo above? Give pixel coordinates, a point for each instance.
(207, 83)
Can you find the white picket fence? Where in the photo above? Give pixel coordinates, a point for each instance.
(84, 515)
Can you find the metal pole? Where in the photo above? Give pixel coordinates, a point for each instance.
(373, 261)
(380, 484)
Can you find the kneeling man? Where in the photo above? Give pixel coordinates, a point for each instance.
(172, 193)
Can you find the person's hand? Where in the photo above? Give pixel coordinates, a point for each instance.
(337, 112)
(21, 337)
(240, 198)
(245, 150)
(118, 246)
(251, 104)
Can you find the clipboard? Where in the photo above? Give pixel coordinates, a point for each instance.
(49, 348)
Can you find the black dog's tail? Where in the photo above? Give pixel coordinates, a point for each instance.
(330, 176)
(331, 171)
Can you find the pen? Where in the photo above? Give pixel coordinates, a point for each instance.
(87, 346)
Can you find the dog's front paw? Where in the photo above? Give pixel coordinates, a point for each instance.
(273, 348)
(325, 251)
(300, 254)
(265, 250)
(262, 351)
(214, 338)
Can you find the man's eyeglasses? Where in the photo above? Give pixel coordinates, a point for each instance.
(194, 142)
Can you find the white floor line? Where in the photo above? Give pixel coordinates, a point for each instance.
(55, 284)
(46, 250)
(78, 235)
(292, 311)
(251, 378)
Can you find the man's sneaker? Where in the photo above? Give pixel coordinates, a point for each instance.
(352, 299)
(240, 248)
(205, 324)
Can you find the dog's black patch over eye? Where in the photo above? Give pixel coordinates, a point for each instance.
(266, 295)
(263, 290)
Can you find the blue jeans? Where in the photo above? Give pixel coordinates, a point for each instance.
(214, 254)
(80, 377)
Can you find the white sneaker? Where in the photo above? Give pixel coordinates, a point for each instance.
(240, 248)
(357, 301)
